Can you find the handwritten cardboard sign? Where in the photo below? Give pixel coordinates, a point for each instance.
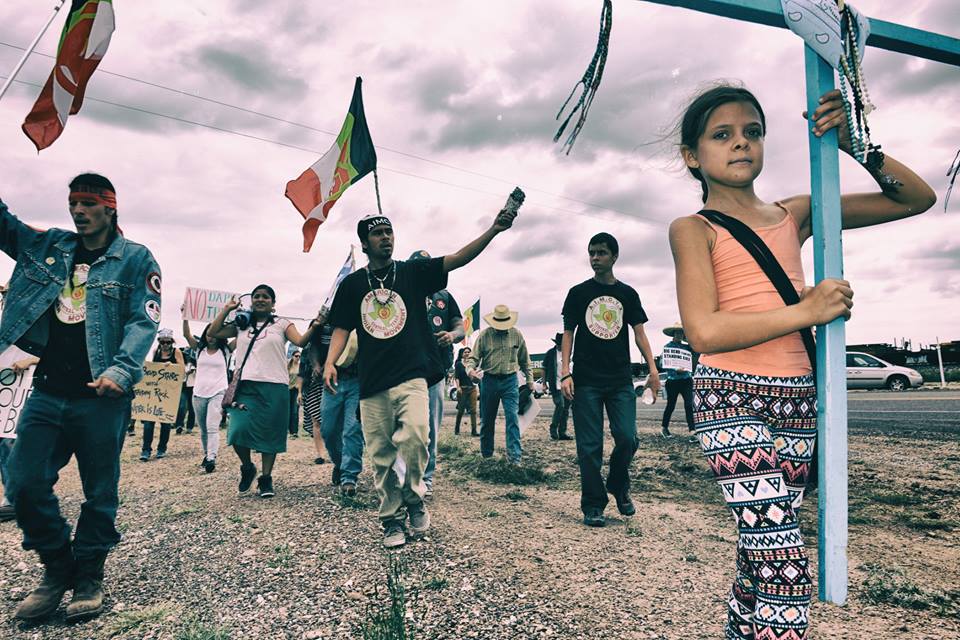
(157, 397)
(14, 390)
(203, 305)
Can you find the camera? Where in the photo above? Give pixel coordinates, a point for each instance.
(242, 317)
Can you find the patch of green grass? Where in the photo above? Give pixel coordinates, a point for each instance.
(500, 471)
(861, 520)
(194, 629)
(894, 499)
(177, 511)
(235, 518)
(633, 529)
(491, 514)
(921, 523)
(282, 557)
(146, 617)
(436, 584)
(887, 586)
(386, 619)
(358, 502)
(515, 496)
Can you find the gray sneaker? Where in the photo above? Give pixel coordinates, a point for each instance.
(419, 519)
(394, 535)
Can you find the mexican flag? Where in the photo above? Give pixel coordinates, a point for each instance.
(471, 321)
(350, 158)
(83, 43)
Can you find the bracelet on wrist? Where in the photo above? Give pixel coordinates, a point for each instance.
(569, 375)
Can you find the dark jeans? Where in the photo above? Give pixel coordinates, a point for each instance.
(148, 428)
(186, 409)
(294, 411)
(50, 431)
(561, 410)
(589, 403)
(682, 387)
(492, 391)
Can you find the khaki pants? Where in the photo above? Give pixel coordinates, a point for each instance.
(396, 422)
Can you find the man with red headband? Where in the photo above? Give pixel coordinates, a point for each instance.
(87, 303)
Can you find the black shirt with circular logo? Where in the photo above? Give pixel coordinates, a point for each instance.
(602, 315)
(394, 340)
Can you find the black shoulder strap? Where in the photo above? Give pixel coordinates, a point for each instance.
(757, 248)
(256, 333)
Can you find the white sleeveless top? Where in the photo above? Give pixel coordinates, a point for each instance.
(211, 374)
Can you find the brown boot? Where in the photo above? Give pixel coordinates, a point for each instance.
(58, 576)
(87, 601)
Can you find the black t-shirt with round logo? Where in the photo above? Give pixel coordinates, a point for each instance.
(602, 315)
(394, 340)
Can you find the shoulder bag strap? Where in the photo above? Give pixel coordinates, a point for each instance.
(757, 248)
(256, 333)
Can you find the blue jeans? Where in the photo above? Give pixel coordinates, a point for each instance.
(589, 403)
(6, 447)
(51, 430)
(492, 391)
(341, 431)
(148, 429)
(435, 397)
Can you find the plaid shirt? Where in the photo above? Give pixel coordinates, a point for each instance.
(500, 353)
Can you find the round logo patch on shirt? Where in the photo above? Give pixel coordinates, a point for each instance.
(604, 317)
(153, 282)
(441, 305)
(383, 321)
(72, 301)
(437, 321)
(152, 307)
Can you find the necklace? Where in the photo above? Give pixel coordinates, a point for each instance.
(393, 281)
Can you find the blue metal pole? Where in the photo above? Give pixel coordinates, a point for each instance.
(831, 345)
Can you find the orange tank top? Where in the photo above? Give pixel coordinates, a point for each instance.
(743, 286)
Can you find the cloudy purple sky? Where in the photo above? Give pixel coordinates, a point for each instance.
(473, 87)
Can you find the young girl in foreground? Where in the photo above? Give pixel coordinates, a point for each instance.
(754, 393)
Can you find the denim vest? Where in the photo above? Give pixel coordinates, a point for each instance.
(123, 297)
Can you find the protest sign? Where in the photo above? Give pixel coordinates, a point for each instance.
(203, 305)
(157, 397)
(14, 390)
(677, 359)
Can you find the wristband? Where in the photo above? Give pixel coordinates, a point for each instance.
(569, 375)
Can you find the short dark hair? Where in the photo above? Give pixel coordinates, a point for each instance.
(94, 180)
(605, 238)
(267, 288)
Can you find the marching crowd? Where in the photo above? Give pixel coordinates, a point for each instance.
(85, 305)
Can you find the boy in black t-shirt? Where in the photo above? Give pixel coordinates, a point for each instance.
(384, 303)
(596, 316)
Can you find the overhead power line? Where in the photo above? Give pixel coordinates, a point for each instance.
(187, 121)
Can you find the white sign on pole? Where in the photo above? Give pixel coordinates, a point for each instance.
(14, 390)
(203, 305)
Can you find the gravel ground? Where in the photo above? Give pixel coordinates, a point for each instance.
(503, 560)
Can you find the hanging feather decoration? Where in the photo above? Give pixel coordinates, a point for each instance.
(590, 81)
(952, 174)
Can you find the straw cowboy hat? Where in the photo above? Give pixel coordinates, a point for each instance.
(501, 318)
(674, 328)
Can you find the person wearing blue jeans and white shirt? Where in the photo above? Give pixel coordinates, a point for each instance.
(446, 324)
(342, 431)
(88, 304)
(597, 317)
(500, 351)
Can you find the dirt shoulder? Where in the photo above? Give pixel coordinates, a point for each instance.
(508, 556)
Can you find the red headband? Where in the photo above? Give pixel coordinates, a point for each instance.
(102, 196)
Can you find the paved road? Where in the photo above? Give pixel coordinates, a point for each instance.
(903, 413)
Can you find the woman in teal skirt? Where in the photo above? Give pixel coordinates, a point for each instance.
(260, 413)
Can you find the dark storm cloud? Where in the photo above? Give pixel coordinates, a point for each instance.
(248, 64)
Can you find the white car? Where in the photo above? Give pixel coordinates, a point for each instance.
(865, 371)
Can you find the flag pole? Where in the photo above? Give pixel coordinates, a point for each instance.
(33, 45)
(376, 186)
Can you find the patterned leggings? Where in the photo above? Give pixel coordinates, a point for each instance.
(758, 435)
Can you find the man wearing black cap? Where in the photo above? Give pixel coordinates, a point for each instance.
(446, 324)
(551, 376)
(384, 302)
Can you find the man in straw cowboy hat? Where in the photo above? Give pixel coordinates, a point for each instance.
(500, 351)
(384, 303)
(551, 377)
(597, 316)
(677, 363)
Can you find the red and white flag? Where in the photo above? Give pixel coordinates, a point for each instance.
(83, 43)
